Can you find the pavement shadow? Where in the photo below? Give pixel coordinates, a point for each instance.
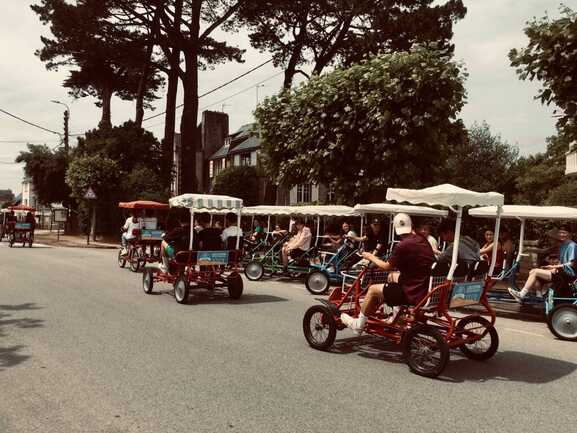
(509, 366)
(198, 297)
(20, 307)
(11, 355)
(369, 346)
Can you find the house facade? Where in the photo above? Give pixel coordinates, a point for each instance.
(220, 150)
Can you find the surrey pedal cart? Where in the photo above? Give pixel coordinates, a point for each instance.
(144, 247)
(560, 301)
(193, 270)
(332, 267)
(21, 229)
(429, 330)
(270, 263)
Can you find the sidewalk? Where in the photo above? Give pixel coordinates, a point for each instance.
(78, 241)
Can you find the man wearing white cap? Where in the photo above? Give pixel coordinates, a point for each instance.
(413, 258)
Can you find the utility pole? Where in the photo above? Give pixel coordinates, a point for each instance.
(66, 117)
(66, 121)
(257, 98)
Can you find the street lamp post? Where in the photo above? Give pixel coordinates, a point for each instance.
(66, 120)
(257, 98)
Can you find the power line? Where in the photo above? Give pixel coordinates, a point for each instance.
(230, 96)
(216, 88)
(28, 122)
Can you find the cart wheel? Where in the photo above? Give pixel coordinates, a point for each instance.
(562, 322)
(254, 270)
(148, 280)
(121, 259)
(317, 282)
(235, 285)
(426, 351)
(319, 327)
(484, 347)
(134, 260)
(181, 289)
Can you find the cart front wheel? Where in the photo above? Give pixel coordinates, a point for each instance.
(135, 260)
(317, 282)
(426, 351)
(181, 289)
(234, 285)
(319, 327)
(121, 259)
(148, 281)
(254, 270)
(483, 337)
(562, 322)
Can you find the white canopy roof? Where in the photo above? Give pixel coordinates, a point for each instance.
(393, 208)
(327, 210)
(206, 202)
(522, 211)
(267, 210)
(445, 195)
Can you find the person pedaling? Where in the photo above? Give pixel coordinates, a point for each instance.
(132, 224)
(298, 245)
(559, 274)
(413, 258)
(175, 240)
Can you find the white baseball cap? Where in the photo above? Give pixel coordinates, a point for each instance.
(402, 224)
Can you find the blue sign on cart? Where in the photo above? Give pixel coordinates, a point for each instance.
(466, 293)
(212, 258)
(151, 235)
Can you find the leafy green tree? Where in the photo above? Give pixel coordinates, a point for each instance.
(391, 120)
(298, 32)
(542, 177)
(551, 58)
(484, 163)
(6, 197)
(98, 172)
(240, 182)
(138, 157)
(47, 169)
(107, 59)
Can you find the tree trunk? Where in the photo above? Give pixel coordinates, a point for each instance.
(106, 96)
(143, 80)
(170, 121)
(290, 70)
(188, 127)
(171, 94)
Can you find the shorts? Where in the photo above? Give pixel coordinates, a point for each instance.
(296, 253)
(394, 295)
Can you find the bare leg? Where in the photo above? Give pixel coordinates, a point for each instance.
(373, 299)
(285, 256)
(536, 278)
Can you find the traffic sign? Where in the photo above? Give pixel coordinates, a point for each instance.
(90, 194)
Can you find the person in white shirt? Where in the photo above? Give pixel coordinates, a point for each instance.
(231, 230)
(132, 223)
(298, 245)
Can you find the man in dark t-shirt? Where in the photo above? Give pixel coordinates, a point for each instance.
(413, 257)
(208, 239)
(375, 240)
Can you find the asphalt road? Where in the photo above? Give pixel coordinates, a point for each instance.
(83, 349)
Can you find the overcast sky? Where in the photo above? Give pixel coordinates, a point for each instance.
(483, 39)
